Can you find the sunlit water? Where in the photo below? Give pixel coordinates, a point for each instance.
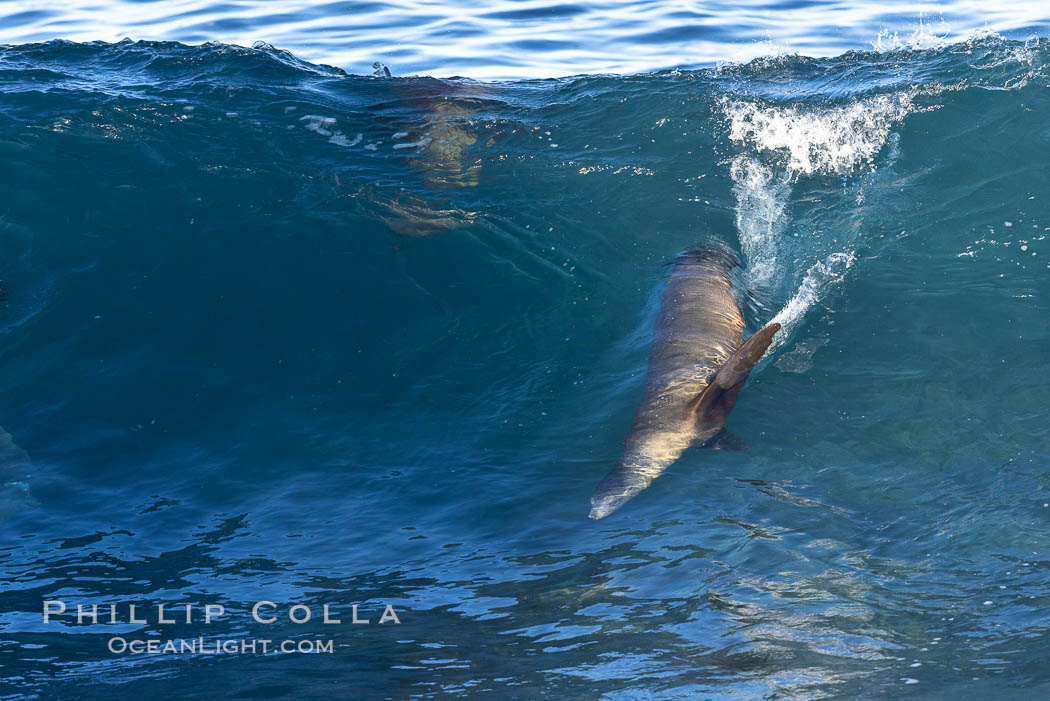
(277, 332)
(526, 38)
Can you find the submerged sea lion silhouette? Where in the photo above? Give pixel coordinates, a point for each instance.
(14, 478)
(697, 365)
(438, 144)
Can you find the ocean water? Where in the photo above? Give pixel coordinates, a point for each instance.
(513, 39)
(278, 332)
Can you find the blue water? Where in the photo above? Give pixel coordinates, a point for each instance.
(278, 332)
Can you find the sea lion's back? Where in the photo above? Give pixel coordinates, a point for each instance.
(700, 323)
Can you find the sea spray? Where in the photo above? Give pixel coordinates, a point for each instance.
(762, 195)
(818, 279)
(805, 141)
(781, 145)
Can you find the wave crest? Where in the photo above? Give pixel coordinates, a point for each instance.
(836, 141)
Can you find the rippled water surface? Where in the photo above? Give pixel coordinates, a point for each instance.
(526, 38)
(274, 331)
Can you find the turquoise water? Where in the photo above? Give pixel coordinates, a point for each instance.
(278, 332)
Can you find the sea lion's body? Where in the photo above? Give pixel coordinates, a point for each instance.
(445, 160)
(691, 384)
(438, 142)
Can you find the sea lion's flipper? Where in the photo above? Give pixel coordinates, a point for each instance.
(719, 397)
(727, 441)
(415, 217)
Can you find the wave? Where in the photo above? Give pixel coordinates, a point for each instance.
(272, 329)
(801, 151)
(782, 144)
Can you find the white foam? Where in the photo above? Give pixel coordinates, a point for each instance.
(923, 37)
(834, 140)
(339, 138)
(422, 142)
(317, 123)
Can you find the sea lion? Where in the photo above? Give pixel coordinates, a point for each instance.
(697, 365)
(443, 132)
(438, 141)
(445, 158)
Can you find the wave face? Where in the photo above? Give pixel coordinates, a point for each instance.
(276, 332)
